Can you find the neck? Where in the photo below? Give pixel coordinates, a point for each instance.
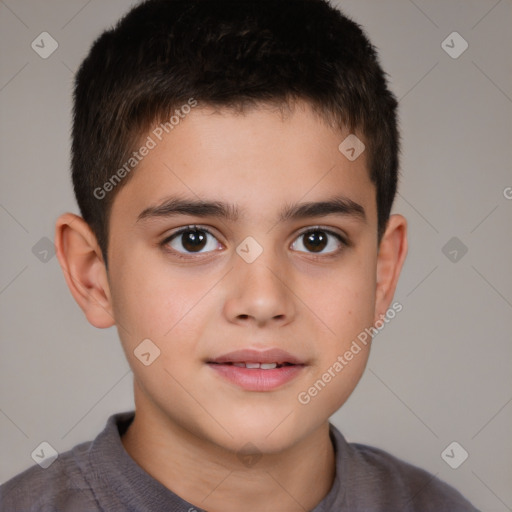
(212, 478)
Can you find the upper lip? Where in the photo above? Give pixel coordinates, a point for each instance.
(274, 355)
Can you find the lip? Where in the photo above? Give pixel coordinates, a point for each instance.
(257, 379)
(273, 355)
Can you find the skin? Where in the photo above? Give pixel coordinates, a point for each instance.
(190, 423)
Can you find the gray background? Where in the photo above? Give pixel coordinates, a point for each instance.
(440, 372)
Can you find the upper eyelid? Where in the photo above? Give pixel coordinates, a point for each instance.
(342, 237)
(182, 229)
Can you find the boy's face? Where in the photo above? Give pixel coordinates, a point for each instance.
(307, 294)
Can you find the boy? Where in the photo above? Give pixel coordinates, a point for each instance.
(235, 164)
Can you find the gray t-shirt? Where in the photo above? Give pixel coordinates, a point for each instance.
(100, 476)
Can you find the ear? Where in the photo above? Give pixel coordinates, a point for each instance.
(84, 269)
(390, 259)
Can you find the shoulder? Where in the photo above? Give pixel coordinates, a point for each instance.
(384, 480)
(411, 484)
(61, 486)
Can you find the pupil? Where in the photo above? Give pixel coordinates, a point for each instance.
(317, 240)
(193, 239)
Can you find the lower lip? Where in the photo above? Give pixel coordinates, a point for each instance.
(256, 379)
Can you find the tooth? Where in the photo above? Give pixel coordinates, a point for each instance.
(252, 365)
(240, 365)
(268, 366)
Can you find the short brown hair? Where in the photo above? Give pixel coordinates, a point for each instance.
(225, 53)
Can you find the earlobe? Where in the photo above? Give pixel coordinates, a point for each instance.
(84, 269)
(390, 260)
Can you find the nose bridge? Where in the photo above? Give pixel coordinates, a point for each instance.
(259, 264)
(260, 289)
(267, 251)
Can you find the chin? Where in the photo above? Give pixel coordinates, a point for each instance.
(269, 433)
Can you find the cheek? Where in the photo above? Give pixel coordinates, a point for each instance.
(147, 298)
(345, 301)
(169, 308)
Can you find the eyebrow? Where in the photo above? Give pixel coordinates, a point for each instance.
(173, 206)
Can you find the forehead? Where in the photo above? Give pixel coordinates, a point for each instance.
(257, 161)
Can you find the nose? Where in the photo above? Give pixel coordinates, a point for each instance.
(260, 292)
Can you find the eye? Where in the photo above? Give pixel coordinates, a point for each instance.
(317, 239)
(193, 239)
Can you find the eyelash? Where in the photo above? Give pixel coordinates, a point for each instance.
(345, 243)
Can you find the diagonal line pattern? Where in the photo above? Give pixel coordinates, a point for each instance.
(419, 81)
(495, 495)
(485, 15)
(17, 426)
(14, 218)
(216, 487)
(279, 424)
(425, 14)
(193, 192)
(198, 402)
(301, 300)
(72, 72)
(431, 272)
(76, 14)
(492, 81)
(13, 13)
(404, 403)
(14, 76)
(97, 402)
(304, 195)
(13, 279)
(500, 409)
(204, 295)
(493, 287)
(485, 218)
(422, 488)
(286, 491)
(418, 212)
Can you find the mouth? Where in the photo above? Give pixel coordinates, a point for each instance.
(255, 366)
(254, 370)
(249, 357)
